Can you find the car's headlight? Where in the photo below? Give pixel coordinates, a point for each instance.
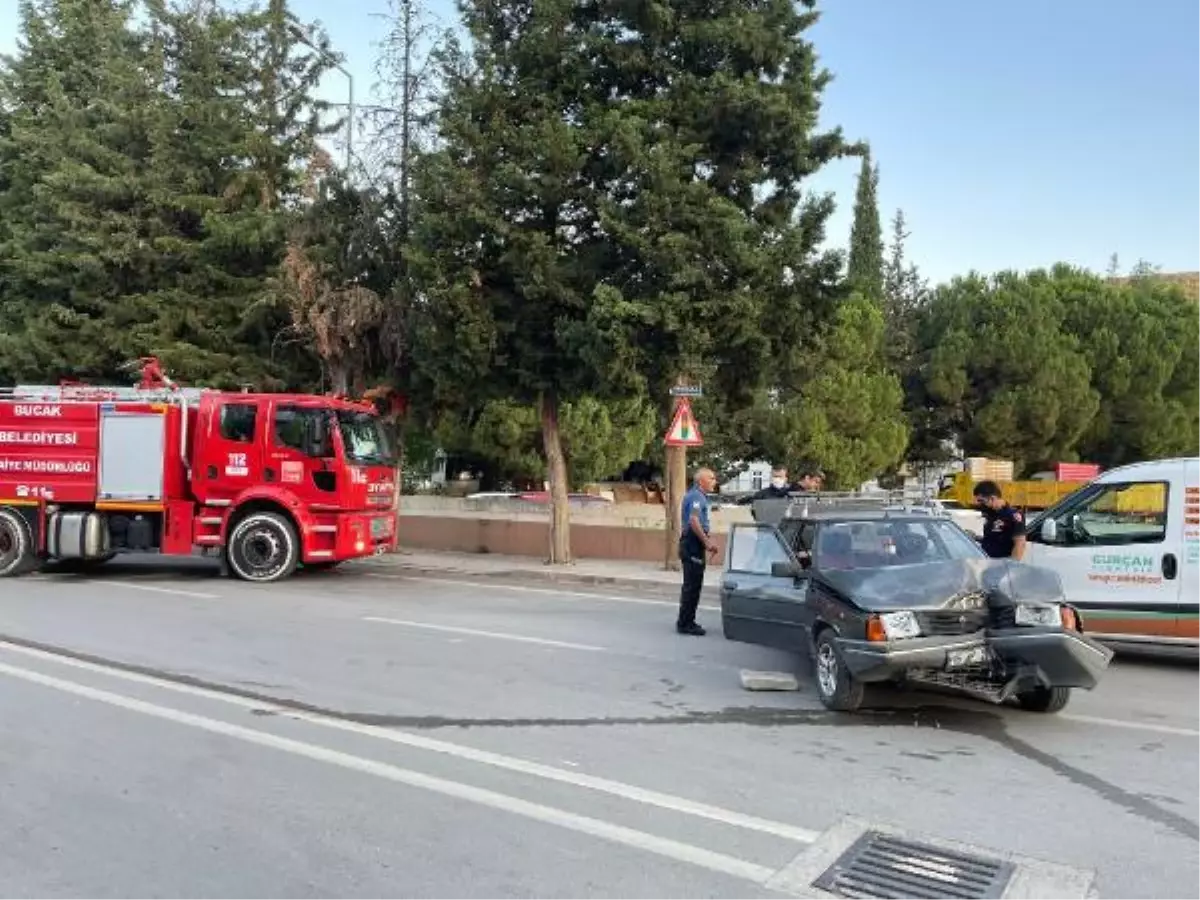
(1045, 614)
(898, 625)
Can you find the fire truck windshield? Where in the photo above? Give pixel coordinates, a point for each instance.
(365, 439)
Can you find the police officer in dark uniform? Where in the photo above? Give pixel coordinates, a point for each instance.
(1003, 526)
(696, 546)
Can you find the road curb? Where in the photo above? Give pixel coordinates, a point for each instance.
(549, 577)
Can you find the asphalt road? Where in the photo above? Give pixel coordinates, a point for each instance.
(359, 733)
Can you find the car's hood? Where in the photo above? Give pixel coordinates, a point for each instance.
(939, 585)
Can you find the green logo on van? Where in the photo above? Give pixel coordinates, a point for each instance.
(1122, 563)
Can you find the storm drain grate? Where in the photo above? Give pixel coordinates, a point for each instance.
(879, 865)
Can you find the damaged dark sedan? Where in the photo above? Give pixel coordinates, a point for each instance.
(902, 594)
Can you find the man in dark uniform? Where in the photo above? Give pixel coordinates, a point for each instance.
(1003, 526)
(695, 546)
(779, 487)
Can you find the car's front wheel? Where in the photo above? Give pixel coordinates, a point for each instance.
(837, 688)
(1044, 699)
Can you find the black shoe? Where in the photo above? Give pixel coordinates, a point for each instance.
(692, 629)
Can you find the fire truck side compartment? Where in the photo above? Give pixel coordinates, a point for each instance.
(132, 447)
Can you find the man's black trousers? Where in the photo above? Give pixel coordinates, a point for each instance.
(689, 595)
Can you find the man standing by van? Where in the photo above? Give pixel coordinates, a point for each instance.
(694, 546)
(1003, 526)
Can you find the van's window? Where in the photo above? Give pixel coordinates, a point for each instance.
(238, 421)
(1115, 514)
(755, 550)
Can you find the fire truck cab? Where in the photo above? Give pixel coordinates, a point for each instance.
(268, 482)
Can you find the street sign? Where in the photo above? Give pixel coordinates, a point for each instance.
(684, 431)
(687, 390)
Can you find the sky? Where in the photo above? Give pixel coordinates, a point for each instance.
(1013, 135)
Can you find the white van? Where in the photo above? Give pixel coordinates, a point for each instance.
(1127, 547)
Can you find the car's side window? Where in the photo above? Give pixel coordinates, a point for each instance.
(755, 550)
(805, 537)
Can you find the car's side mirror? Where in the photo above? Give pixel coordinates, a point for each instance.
(786, 569)
(1049, 531)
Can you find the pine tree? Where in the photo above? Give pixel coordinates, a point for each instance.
(712, 250)
(507, 230)
(147, 189)
(865, 270)
(73, 164)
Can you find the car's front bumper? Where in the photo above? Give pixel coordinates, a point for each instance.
(1060, 658)
(887, 660)
(1053, 657)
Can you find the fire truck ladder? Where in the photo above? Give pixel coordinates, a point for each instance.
(86, 393)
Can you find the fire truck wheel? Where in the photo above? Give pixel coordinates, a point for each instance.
(263, 548)
(16, 544)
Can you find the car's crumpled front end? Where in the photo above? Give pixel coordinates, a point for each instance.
(991, 621)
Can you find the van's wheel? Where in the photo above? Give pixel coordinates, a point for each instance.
(1044, 699)
(837, 688)
(263, 547)
(16, 544)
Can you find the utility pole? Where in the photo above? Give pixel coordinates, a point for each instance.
(336, 62)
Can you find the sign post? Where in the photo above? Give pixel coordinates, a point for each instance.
(683, 432)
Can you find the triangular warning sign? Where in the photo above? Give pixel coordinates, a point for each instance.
(684, 432)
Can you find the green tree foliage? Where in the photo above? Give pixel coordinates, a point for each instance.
(865, 270)
(599, 438)
(507, 235)
(999, 372)
(1141, 342)
(148, 169)
(848, 416)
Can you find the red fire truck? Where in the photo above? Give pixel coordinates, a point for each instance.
(267, 482)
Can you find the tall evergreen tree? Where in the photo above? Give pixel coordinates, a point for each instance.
(866, 268)
(73, 163)
(147, 186)
(508, 231)
(714, 271)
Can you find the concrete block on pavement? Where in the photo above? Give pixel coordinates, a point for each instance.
(769, 681)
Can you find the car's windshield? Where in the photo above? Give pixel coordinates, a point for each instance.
(883, 542)
(365, 439)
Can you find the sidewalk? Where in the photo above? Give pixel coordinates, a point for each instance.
(631, 575)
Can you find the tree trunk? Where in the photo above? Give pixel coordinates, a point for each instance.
(339, 378)
(556, 466)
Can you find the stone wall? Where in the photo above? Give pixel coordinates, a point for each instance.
(617, 531)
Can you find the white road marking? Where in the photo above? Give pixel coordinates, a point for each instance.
(196, 595)
(639, 840)
(98, 582)
(551, 592)
(488, 634)
(421, 742)
(1133, 726)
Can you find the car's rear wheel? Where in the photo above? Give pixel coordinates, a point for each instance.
(837, 688)
(1044, 699)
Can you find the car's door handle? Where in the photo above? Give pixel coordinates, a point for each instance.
(1170, 566)
(729, 585)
